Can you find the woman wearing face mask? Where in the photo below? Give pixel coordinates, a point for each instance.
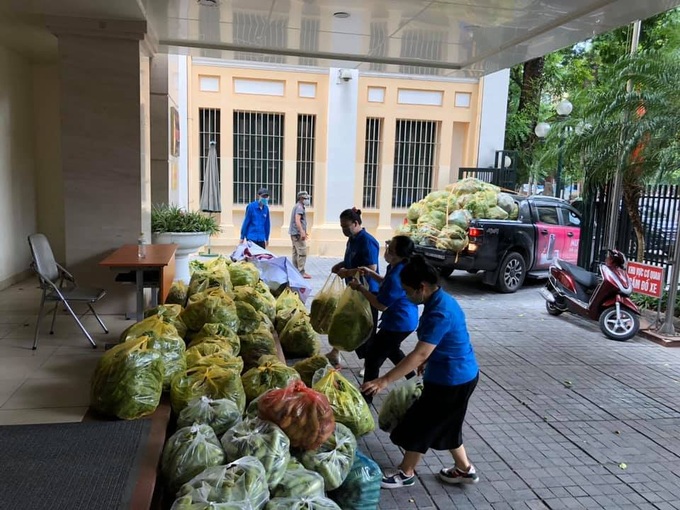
(362, 250)
(451, 373)
(399, 315)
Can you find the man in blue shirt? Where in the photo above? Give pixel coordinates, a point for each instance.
(257, 224)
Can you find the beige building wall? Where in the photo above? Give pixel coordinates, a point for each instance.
(453, 106)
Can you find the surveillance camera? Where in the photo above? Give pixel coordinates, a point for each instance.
(345, 74)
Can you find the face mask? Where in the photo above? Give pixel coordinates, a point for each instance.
(264, 201)
(347, 232)
(305, 202)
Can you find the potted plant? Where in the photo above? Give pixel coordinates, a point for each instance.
(189, 230)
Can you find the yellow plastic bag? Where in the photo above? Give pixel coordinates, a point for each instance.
(352, 322)
(325, 303)
(349, 406)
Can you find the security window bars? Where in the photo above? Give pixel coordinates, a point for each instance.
(208, 130)
(378, 44)
(415, 160)
(262, 32)
(258, 155)
(372, 162)
(422, 45)
(306, 136)
(309, 39)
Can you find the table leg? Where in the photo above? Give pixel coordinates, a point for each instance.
(139, 276)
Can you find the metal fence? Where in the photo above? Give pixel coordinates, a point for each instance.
(502, 177)
(659, 209)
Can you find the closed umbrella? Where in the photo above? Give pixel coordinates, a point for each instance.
(210, 194)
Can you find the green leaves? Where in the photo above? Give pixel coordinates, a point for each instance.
(170, 218)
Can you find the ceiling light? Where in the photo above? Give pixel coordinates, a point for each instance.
(209, 3)
(341, 14)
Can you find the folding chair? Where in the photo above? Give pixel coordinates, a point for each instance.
(60, 286)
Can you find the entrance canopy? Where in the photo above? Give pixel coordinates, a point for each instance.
(454, 38)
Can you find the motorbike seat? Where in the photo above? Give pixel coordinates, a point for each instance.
(582, 276)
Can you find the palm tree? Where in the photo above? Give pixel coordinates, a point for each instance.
(633, 130)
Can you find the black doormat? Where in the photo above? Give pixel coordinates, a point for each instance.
(88, 466)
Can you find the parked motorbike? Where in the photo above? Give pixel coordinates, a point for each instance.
(603, 296)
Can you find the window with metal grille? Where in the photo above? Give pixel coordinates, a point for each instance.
(415, 160)
(309, 39)
(258, 155)
(422, 45)
(208, 130)
(260, 31)
(377, 46)
(306, 137)
(372, 161)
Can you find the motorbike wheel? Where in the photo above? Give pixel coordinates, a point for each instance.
(552, 309)
(621, 329)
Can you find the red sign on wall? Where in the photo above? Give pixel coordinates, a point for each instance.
(646, 279)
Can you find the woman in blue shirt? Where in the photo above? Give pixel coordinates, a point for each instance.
(362, 250)
(399, 315)
(445, 354)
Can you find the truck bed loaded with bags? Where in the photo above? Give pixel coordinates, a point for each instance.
(474, 226)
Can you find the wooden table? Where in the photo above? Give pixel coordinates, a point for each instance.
(159, 257)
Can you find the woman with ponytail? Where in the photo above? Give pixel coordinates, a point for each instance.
(399, 315)
(445, 356)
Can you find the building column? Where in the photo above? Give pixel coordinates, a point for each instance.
(493, 104)
(341, 167)
(105, 139)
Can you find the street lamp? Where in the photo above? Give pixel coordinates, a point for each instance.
(563, 109)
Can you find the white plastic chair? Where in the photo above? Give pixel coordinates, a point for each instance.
(59, 286)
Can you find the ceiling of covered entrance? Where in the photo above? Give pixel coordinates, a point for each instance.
(432, 37)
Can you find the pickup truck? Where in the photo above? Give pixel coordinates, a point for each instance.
(510, 250)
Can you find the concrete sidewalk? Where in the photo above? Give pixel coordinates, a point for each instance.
(562, 416)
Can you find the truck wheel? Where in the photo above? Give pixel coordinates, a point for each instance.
(511, 273)
(445, 272)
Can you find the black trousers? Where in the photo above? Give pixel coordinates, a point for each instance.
(384, 345)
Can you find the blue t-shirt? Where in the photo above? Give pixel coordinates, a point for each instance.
(256, 224)
(401, 313)
(443, 324)
(363, 250)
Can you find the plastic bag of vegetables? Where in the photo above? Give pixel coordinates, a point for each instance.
(397, 402)
(165, 340)
(209, 381)
(308, 367)
(300, 483)
(217, 331)
(241, 484)
(257, 300)
(352, 322)
(170, 314)
(303, 413)
(213, 273)
(289, 299)
(221, 414)
(178, 294)
(298, 338)
(262, 440)
(302, 503)
(244, 273)
(334, 458)
(258, 343)
(208, 347)
(128, 380)
(248, 318)
(415, 211)
(218, 359)
(268, 375)
(213, 305)
(361, 488)
(325, 303)
(349, 406)
(188, 452)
